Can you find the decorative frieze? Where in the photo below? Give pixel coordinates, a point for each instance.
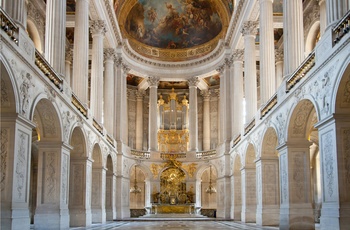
(21, 167)
(25, 90)
(329, 161)
(4, 152)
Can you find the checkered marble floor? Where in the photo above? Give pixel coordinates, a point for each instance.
(175, 224)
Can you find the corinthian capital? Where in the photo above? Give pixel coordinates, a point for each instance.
(153, 81)
(279, 55)
(238, 55)
(98, 27)
(109, 54)
(193, 81)
(249, 28)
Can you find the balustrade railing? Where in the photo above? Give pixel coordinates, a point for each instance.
(8, 25)
(140, 154)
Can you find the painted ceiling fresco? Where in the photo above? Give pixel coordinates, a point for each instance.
(173, 24)
(213, 80)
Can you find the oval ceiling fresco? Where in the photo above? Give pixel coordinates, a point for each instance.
(173, 24)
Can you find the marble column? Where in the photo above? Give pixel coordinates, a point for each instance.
(55, 34)
(16, 138)
(68, 66)
(139, 119)
(335, 11)
(279, 67)
(80, 192)
(323, 16)
(52, 193)
(120, 95)
(217, 92)
(249, 31)
(108, 91)
(228, 97)
(17, 11)
(81, 51)
(293, 35)
(98, 30)
(267, 52)
(153, 121)
(296, 210)
(237, 108)
(221, 105)
(206, 119)
(193, 113)
(98, 195)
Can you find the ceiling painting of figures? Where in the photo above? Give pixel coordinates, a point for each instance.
(173, 24)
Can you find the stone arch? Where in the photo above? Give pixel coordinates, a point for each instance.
(8, 96)
(237, 187)
(137, 200)
(302, 165)
(34, 34)
(79, 179)
(249, 186)
(208, 201)
(312, 37)
(98, 188)
(267, 176)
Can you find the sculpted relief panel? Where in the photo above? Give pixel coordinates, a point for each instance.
(4, 153)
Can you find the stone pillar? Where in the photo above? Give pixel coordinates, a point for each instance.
(98, 30)
(153, 121)
(139, 119)
(228, 97)
(237, 109)
(108, 91)
(250, 87)
(217, 92)
(69, 62)
(193, 113)
(110, 195)
(334, 136)
(296, 203)
(279, 66)
(323, 16)
(267, 184)
(98, 195)
(123, 189)
(17, 11)
(55, 34)
(267, 52)
(81, 51)
(16, 137)
(223, 186)
(148, 204)
(248, 179)
(206, 119)
(221, 103)
(293, 35)
(237, 196)
(52, 193)
(120, 95)
(80, 192)
(335, 11)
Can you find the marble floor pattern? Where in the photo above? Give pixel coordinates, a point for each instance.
(177, 224)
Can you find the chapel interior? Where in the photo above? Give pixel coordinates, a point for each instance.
(224, 109)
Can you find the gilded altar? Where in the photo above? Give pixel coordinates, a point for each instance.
(167, 208)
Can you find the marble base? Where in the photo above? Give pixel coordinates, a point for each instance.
(17, 219)
(268, 216)
(98, 216)
(297, 218)
(80, 218)
(54, 221)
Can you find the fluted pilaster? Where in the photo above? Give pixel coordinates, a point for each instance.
(193, 113)
(139, 118)
(81, 50)
(267, 50)
(237, 109)
(55, 34)
(249, 31)
(206, 119)
(108, 92)
(293, 35)
(98, 30)
(153, 126)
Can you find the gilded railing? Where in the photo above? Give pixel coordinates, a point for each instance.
(268, 106)
(168, 156)
(110, 140)
(140, 154)
(342, 28)
(237, 140)
(206, 154)
(77, 103)
(48, 71)
(97, 126)
(9, 26)
(301, 71)
(249, 127)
